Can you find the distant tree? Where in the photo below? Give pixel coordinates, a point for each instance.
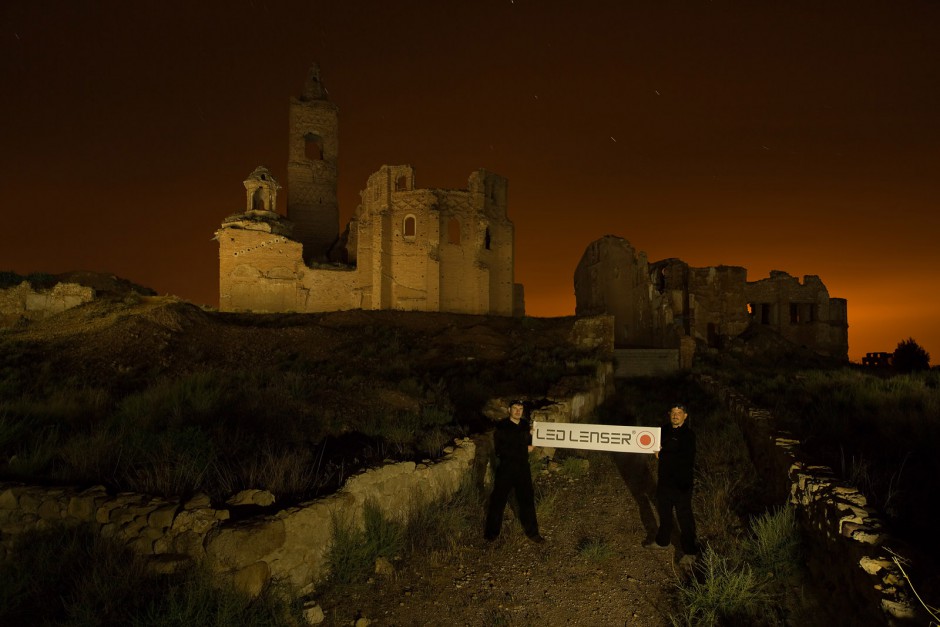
(909, 356)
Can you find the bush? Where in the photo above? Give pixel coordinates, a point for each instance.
(440, 527)
(353, 550)
(910, 357)
(775, 545)
(722, 593)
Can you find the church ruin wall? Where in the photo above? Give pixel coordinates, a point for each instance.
(409, 249)
(658, 304)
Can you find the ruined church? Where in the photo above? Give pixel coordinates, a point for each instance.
(669, 304)
(405, 248)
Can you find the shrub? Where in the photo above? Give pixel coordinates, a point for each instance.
(36, 458)
(910, 357)
(546, 502)
(176, 462)
(721, 593)
(287, 472)
(775, 544)
(353, 550)
(433, 441)
(440, 527)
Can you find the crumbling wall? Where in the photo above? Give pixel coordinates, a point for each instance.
(23, 301)
(720, 304)
(413, 249)
(801, 312)
(434, 250)
(291, 544)
(849, 553)
(660, 304)
(260, 268)
(612, 277)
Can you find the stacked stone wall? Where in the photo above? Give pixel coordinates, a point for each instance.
(849, 553)
(290, 545)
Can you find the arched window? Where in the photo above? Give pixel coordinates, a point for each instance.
(409, 227)
(257, 201)
(401, 184)
(453, 231)
(487, 240)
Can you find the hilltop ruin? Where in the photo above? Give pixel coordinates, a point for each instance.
(669, 304)
(405, 248)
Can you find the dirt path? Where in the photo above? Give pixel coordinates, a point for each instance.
(592, 570)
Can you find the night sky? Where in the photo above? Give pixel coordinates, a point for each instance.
(801, 136)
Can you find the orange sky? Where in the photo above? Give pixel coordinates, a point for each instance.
(798, 136)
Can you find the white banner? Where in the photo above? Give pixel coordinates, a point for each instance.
(623, 439)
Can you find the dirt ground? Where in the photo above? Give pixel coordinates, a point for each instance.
(514, 581)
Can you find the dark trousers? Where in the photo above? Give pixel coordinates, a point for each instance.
(667, 499)
(507, 480)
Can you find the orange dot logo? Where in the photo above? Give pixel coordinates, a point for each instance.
(645, 439)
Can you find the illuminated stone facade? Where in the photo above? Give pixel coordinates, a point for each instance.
(405, 248)
(662, 304)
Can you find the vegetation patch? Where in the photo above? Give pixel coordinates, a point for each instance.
(75, 577)
(161, 397)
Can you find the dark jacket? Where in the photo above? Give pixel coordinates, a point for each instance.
(677, 457)
(511, 443)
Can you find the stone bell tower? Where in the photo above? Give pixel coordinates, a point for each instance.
(261, 189)
(312, 158)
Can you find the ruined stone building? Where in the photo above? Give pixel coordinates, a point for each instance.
(404, 248)
(662, 304)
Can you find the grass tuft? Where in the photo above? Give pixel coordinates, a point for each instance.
(721, 592)
(354, 548)
(594, 549)
(775, 544)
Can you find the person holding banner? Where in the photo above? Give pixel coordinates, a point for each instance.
(512, 441)
(674, 488)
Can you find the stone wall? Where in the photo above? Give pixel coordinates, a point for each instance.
(801, 312)
(290, 545)
(23, 301)
(661, 304)
(613, 278)
(849, 553)
(433, 249)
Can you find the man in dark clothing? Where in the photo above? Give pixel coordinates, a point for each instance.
(512, 441)
(674, 489)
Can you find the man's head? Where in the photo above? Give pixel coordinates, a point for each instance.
(516, 409)
(677, 415)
